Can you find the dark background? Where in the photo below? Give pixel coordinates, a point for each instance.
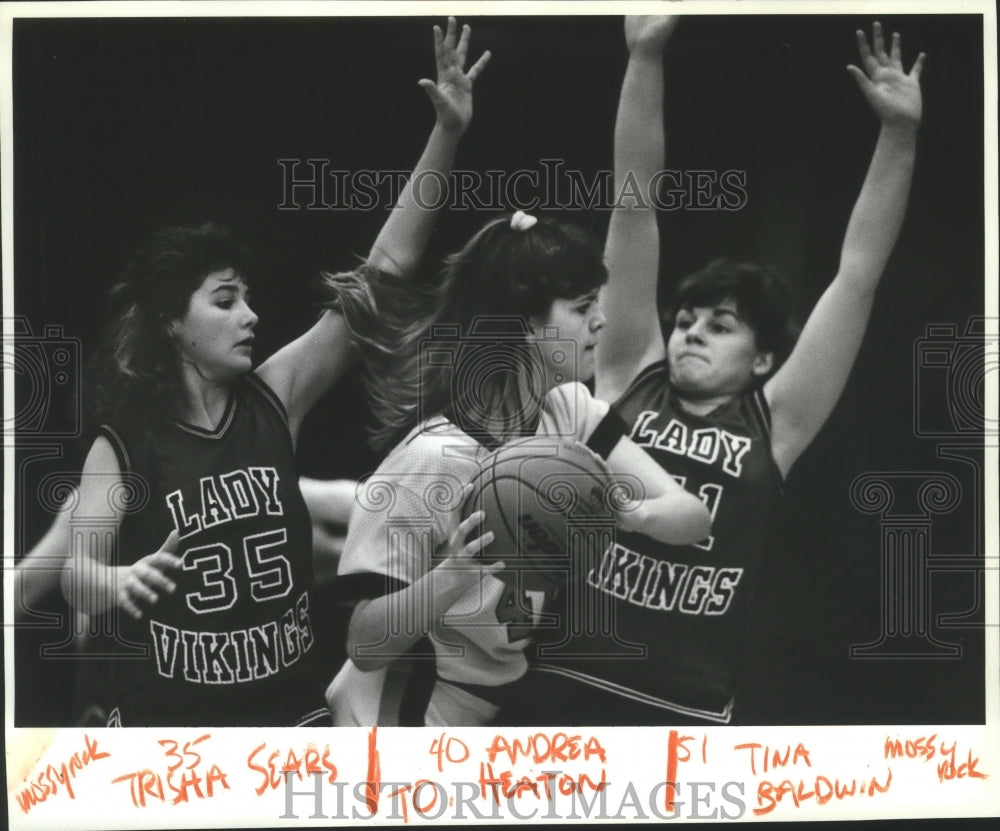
(124, 125)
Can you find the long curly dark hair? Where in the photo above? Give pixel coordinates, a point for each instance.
(135, 374)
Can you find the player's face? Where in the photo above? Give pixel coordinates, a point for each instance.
(215, 336)
(578, 320)
(713, 351)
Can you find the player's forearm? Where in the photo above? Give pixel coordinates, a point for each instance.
(402, 240)
(385, 628)
(878, 213)
(90, 585)
(639, 130)
(673, 518)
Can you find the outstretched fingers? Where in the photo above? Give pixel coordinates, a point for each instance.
(918, 66)
(478, 66)
(463, 46)
(867, 59)
(878, 44)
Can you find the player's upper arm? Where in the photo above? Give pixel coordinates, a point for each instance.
(100, 477)
(632, 338)
(803, 392)
(301, 371)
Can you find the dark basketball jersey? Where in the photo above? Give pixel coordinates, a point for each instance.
(233, 645)
(658, 624)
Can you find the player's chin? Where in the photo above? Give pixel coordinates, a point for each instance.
(685, 381)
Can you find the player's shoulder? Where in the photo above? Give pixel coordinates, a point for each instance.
(433, 445)
(571, 411)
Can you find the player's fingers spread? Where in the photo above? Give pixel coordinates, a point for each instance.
(463, 45)
(170, 543)
(158, 580)
(896, 53)
(449, 38)
(860, 77)
(863, 48)
(479, 65)
(473, 521)
(125, 602)
(878, 43)
(478, 544)
(441, 59)
(918, 65)
(428, 86)
(137, 588)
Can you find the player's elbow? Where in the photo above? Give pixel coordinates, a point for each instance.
(362, 642)
(394, 263)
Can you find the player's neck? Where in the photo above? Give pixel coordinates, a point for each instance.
(703, 406)
(205, 401)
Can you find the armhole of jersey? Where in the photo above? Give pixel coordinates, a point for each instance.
(256, 382)
(644, 373)
(609, 431)
(763, 412)
(365, 585)
(118, 445)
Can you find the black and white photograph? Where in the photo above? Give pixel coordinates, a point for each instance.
(378, 377)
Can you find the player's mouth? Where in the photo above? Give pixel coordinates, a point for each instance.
(246, 342)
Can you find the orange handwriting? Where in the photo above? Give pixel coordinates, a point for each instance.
(182, 778)
(926, 748)
(770, 795)
(273, 771)
(540, 748)
(507, 786)
(772, 758)
(448, 748)
(46, 784)
(373, 782)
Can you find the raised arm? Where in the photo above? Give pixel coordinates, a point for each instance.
(804, 391)
(632, 339)
(401, 242)
(306, 368)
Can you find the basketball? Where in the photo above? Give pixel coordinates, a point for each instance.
(547, 501)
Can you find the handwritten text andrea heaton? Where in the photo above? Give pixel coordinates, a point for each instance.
(554, 796)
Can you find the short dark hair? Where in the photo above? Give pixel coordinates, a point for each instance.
(762, 297)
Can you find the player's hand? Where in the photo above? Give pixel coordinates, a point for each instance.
(894, 95)
(647, 34)
(462, 566)
(141, 584)
(451, 94)
(631, 515)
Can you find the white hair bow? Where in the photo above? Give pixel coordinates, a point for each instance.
(521, 221)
